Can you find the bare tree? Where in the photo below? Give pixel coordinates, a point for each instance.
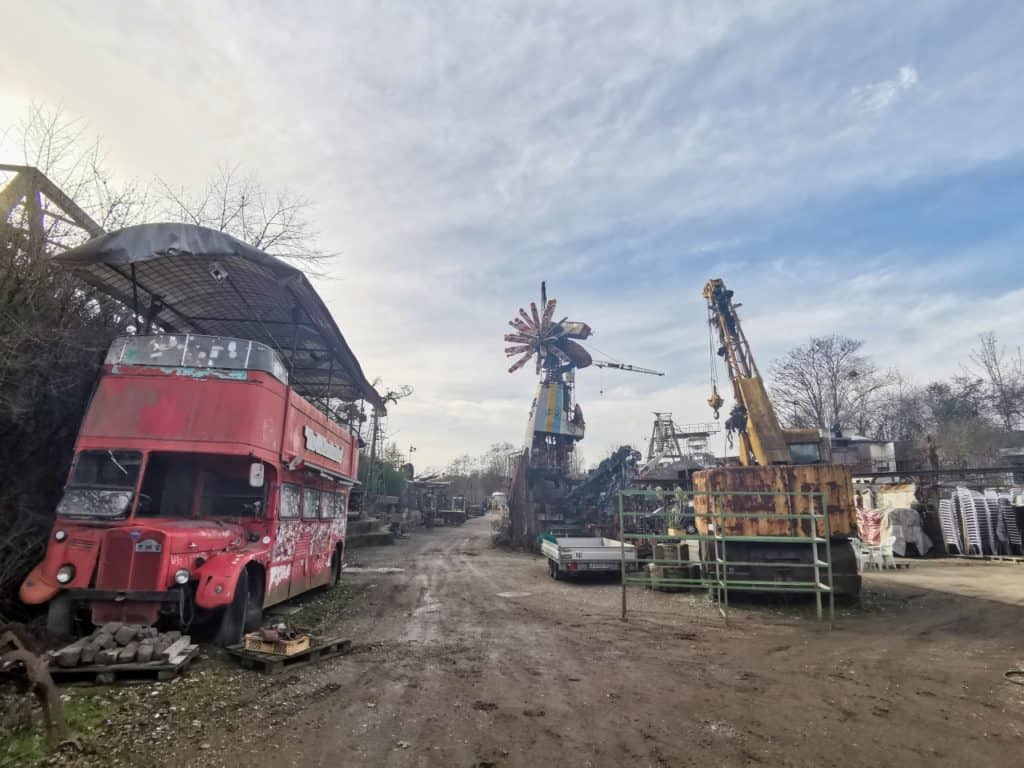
(53, 333)
(962, 432)
(238, 204)
(827, 383)
(1004, 375)
(494, 462)
(60, 148)
(899, 412)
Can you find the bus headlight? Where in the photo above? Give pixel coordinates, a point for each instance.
(60, 535)
(65, 574)
(181, 577)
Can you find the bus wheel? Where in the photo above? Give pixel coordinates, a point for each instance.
(59, 616)
(336, 568)
(254, 608)
(232, 620)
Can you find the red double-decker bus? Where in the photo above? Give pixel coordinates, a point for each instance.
(203, 489)
(212, 473)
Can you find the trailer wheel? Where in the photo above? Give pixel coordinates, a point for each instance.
(232, 620)
(59, 616)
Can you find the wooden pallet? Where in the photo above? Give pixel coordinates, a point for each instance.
(132, 672)
(1018, 559)
(271, 664)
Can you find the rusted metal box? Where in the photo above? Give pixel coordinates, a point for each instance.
(770, 487)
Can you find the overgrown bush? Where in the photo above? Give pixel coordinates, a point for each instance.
(53, 335)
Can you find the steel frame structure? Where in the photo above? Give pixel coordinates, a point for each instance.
(714, 569)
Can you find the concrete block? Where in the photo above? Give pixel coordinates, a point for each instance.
(127, 654)
(69, 657)
(125, 634)
(89, 652)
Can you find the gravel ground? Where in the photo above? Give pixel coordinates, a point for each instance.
(465, 655)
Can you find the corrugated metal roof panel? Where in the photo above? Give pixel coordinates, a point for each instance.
(201, 280)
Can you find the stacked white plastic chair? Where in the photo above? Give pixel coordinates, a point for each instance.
(1008, 512)
(996, 527)
(950, 527)
(969, 514)
(985, 523)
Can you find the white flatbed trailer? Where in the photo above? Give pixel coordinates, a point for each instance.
(569, 555)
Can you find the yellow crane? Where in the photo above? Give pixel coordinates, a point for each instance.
(773, 460)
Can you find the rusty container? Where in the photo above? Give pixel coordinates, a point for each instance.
(771, 488)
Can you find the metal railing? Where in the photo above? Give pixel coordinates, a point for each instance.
(711, 568)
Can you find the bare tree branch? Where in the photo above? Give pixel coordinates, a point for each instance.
(240, 206)
(1004, 375)
(828, 384)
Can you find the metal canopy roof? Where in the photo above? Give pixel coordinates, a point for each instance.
(182, 277)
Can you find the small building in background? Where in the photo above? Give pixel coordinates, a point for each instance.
(864, 455)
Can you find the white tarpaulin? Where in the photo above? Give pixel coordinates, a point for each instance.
(904, 525)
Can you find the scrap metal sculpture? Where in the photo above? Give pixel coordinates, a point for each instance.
(540, 497)
(550, 344)
(18, 662)
(541, 479)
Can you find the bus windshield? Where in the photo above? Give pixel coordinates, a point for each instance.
(189, 485)
(102, 484)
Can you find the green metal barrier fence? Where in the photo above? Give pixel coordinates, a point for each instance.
(710, 569)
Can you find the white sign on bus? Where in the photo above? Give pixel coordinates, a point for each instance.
(317, 443)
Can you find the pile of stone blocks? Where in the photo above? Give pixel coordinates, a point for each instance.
(117, 643)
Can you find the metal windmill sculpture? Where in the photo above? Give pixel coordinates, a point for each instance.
(550, 344)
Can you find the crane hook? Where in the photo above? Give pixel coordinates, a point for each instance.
(715, 401)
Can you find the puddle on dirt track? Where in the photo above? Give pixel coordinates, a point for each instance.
(514, 594)
(361, 569)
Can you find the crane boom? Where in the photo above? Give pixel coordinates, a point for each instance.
(626, 367)
(761, 437)
(783, 472)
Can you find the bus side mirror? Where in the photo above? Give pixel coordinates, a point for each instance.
(256, 474)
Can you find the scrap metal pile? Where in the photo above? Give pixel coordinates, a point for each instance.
(595, 494)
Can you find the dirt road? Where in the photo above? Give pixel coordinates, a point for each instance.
(472, 656)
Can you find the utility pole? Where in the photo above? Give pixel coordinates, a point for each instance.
(372, 470)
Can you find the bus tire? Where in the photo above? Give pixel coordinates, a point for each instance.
(232, 618)
(335, 569)
(254, 605)
(59, 617)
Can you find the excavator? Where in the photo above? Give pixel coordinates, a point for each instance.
(775, 461)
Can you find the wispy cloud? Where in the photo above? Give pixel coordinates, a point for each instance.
(882, 95)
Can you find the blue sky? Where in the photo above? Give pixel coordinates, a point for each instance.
(847, 167)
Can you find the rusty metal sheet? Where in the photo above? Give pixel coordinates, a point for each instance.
(775, 482)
